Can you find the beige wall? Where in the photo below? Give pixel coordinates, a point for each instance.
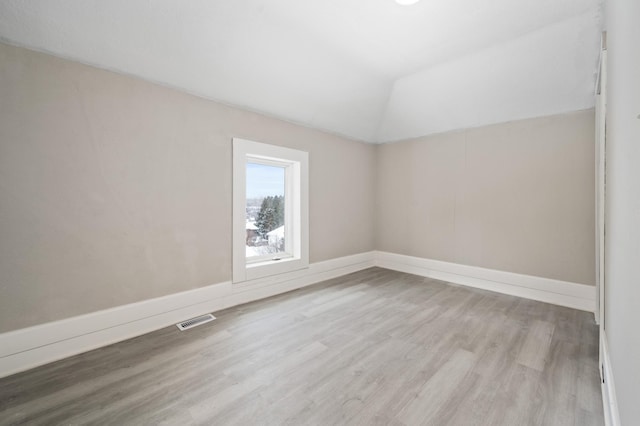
(515, 197)
(115, 190)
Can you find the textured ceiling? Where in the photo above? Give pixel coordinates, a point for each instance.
(367, 69)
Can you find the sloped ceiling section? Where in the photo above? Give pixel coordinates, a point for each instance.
(545, 72)
(371, 70)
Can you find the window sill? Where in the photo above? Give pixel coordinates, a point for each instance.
(270, 262)
(272, 267)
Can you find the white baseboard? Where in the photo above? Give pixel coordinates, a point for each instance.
(34, 346)
(563, 293)
(609, 401)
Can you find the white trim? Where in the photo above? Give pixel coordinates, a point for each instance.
(601, 152)
(609, 400)
(296, 214)
(563, 293)
(30, 347)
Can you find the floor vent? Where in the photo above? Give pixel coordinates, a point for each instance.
(193, 322)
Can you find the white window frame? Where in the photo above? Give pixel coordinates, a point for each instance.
(296, 164)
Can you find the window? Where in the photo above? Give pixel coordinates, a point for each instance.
(270, 210)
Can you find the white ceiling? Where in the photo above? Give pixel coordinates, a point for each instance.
(368, 69)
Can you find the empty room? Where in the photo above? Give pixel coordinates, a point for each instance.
(336, 212)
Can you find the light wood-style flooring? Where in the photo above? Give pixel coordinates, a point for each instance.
(370, 348)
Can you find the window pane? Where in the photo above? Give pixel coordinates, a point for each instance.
(265, 210)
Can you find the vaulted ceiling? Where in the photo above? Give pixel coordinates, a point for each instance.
(367, 69)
